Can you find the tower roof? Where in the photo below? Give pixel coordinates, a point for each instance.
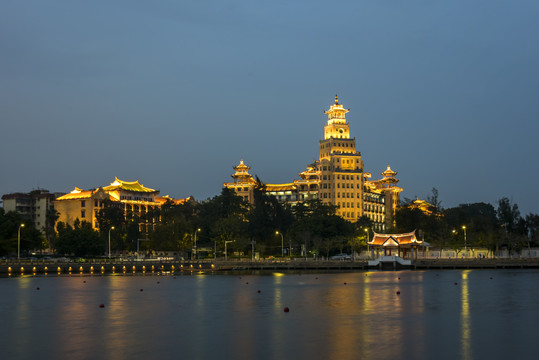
(389, 172)
(336, 111)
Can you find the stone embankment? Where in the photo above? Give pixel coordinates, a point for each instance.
(28, 267)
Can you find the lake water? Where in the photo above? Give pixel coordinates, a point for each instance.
(479, 314)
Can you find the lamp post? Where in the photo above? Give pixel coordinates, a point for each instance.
(465, 244)
(111, 228)
(282, 243)
(368, 248)
(226, 243)
(195, 240)
(19, 242)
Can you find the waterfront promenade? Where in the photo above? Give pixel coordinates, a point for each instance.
(28, 267)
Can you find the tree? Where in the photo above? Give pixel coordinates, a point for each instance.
(79, 240)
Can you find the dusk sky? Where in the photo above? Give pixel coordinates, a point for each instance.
(175, 93)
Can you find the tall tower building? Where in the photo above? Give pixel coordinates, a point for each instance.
(341, 166)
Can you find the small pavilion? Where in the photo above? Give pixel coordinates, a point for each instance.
(402, 245)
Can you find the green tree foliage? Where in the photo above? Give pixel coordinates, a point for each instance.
(31, 238)
(79, 240)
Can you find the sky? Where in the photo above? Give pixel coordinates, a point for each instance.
(176, 93)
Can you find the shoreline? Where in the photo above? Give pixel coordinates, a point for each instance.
(28, 267)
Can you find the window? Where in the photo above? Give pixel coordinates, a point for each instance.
(83, 213)
(82, 204)
(96, 203)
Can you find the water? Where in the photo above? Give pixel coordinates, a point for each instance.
(332, 316)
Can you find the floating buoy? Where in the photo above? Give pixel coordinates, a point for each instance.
(286, 309)
(141, 289)
(344, 283)
(246, 283)
(456, 283)
(399, 278)
(37, 288)
(101, 305)
(84, 281)
(258, 291)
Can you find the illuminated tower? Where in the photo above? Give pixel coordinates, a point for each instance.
(341, 166)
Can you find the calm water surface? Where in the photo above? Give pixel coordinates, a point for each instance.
(485, 315)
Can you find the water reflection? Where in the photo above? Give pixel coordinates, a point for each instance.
(465, 317)
(214, 316)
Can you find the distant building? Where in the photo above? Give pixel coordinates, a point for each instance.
(132, 197)
(32, 206)
(337, 177)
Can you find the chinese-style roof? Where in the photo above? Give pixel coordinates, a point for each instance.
(336, 111)
(163, 199)
(76, 194)
(280, 187)
(389, 172)
(128, 186)
(395, 240)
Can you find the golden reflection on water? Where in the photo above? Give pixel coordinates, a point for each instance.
(465, 317)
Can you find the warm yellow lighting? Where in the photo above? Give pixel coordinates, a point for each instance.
(143, 267)
(34, 269)
(69, 269)
(464, 227)
(172, 267)
(278, 274)
(80, 269)
(59, 269)
(22, 225)
(46, 269)
(9, 269)
(22, 269)
(112, 227)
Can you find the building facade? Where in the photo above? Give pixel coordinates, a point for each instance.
(337, 177)
(33, 206)
(133, 198)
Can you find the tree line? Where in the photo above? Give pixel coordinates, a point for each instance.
(476, 225)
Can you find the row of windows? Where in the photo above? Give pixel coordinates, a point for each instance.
(136, 198)
(338, 143)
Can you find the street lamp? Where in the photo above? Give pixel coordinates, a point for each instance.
(19, 242)
(465, 245)
(226, 243)
(368, 248)
(195, 239)
(282, 243)
(111, 228)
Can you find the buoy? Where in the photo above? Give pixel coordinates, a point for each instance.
(246, 283)
(258, 291)
(491, 278)
(101, 305)
(37, 288)
(399, 278)
(456, 283)
(398, 292)
(286, 309)
(344, 283)
(316, 278)
(141, 289)
(84, 281)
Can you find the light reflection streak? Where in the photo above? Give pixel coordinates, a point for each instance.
(465, 317)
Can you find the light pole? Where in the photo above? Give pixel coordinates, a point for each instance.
(226, 243)
(19, 242)
(282, 243)
(195, 239)
(465, 245)
(111, 228)
(368, 248)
